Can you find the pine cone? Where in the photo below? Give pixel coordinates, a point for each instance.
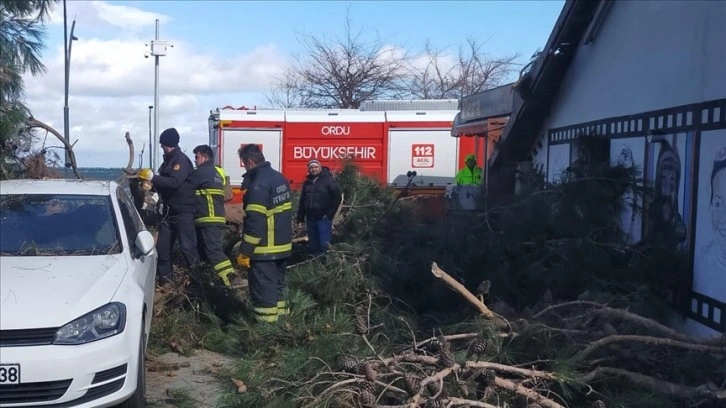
(599, 404)
(412, 384)
(487, 377)
(361, 324)
(370, 372)
(367, 394)
(479, 346)
(446, 358)
(435, 403)
(433, 387)
(436, 345)
(347, 364)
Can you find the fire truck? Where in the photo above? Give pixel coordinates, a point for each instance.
(386, 139)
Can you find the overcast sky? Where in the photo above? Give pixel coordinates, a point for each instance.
(225, 53)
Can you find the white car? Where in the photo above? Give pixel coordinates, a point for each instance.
(77, 279)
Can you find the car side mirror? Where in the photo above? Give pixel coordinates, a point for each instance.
(144, 242)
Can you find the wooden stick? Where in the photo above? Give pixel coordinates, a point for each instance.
(35, 123)
(526, 393)
(454, 284)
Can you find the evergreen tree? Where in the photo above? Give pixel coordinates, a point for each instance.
(21, 41)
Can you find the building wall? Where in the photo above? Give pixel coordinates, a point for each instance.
(647, 55)
(653, 82)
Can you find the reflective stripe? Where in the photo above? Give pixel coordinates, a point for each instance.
(270, 249)
(257, 208)
(275, 210)
(266, 314)
(210, 206)
(223, 265)
(282, 308)
(274, 249)
(270, 230)
(251, 240)
(210, 191)
(204, 220)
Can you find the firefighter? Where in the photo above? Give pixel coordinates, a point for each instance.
(319, 201)
(177, 212)
(267, 234)
(471, 174)
(208, 182)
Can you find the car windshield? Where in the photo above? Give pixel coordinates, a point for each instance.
(57, 224)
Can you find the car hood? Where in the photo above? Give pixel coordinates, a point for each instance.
(45, 291)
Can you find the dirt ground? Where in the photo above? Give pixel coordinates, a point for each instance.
(174, 380)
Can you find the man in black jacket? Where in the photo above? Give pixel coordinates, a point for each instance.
(319, 202)
(177, 206)
(207, 181)
(267, 233)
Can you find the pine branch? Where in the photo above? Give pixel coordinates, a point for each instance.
(662, 387)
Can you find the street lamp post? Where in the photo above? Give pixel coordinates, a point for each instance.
(151, 146)
(158, 49)
(67, 45)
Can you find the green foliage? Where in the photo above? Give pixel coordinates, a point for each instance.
(553, 241)
(21, 41)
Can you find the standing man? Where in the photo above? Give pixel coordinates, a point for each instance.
(471, 174)
(207, 181)
(177, 206)
(319, 202)
(267, 234)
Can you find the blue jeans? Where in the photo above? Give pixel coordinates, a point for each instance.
(319, 235)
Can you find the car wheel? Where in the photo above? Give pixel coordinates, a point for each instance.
(138, 399)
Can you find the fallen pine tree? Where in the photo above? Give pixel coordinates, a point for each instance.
(551, 307)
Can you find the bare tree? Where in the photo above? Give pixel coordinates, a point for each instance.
(438, 74)
(339, 73)
(285, 91)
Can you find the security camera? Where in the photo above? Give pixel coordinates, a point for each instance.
(146, 55)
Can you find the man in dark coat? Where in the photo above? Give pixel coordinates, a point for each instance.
(207, 181)
(319, 202)
(177, 209)
(267, 234)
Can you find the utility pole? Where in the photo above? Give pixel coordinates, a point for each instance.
(67, 45)
(151, 146)
(158, 49)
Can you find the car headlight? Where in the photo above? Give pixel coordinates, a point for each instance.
(103, 322)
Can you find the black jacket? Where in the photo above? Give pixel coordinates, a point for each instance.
(268, 209)
(172, 173)
(320, 197)
(207, 181)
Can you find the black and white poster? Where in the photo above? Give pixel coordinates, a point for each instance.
(630, 152)
(558, 162)
(667, 204)
(709, 269)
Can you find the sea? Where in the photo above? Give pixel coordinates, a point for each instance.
(95, 173)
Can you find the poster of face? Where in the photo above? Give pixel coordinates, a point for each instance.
(629, 152)
(559, 160)
(709, 269)
(667, 206)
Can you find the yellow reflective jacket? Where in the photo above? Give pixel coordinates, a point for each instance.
(467, 177)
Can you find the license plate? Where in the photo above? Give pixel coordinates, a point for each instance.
(9, 374)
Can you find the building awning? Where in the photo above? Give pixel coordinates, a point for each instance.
(475, 128)
(478, 111)
(489, 127)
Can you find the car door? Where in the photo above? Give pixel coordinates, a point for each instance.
(144, 266)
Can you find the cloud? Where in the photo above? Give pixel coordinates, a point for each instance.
(99, 14)
(112, 86)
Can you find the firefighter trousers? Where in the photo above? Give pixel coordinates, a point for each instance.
(175, 226)
(267, 287)
(210, 239)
